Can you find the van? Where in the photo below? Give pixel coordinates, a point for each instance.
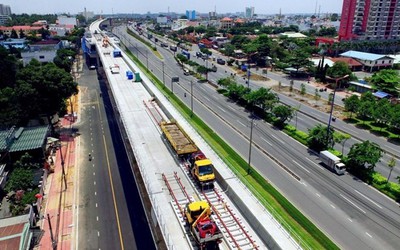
(221, 61)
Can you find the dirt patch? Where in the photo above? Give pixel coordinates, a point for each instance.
(309, 100)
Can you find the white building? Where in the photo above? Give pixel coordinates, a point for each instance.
(64, 20)
(5, 10)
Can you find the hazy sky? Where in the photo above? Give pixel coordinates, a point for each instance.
(155, 6)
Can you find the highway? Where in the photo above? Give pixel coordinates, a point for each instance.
(109, 210)
(354, 215)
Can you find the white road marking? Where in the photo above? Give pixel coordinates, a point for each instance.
(98, 233)
(332, 206)
(369, 199)
(368, 234)
(223, 110)
(262, 138)
(241, 123)
(95, 193)
(94, 183)
(318, 195)
(349, 219)
(275, 137)
(232, 108)
(94, 173)
(207, 99)
(352, 203)
(97, 218)
(303, 183)
(96, 204)
(353, 131)
(295, 162)
(390, 147)
(300, 119)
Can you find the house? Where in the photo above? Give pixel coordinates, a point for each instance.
(17, 141)
(15, 232)
(26, 30)
(226, 23)
(370, 61)
(353, 64)
(43, 51)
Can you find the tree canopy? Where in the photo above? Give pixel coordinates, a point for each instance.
(319, 139)
(363, 157)
(386, 80)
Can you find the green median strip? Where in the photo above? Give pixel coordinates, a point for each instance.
(299, 226)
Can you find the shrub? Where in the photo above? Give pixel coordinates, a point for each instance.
(377, 178)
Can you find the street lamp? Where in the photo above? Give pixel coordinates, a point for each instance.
(62, 167)
(248, 75)
(53, 241)
(250, 146)
(332, 102)
(191, 98)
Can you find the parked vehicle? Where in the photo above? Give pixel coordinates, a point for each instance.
(221, 61)
(332, 162)
(173, 48)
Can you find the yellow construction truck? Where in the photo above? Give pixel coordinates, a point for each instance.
(202, 227)
(201, 168)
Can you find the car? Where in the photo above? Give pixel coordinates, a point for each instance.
(186, 72)
(199, 54)
(92, 67)
(221, 61)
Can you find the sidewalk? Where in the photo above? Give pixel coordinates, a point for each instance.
(59, 200)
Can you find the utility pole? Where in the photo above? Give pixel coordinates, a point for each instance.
(251, 142)
(191, 98)
(248, 75)
(53, 242)
(62, 167)
(163, 73)
(332, 103)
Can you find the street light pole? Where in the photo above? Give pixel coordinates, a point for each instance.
(251, 142)
(191, 98)
(53, 242)
(147, 60)
(248, 75)
(62, 167)
(163, 73)
(332, 103)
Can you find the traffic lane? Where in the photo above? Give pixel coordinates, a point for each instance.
(133, 217)
(289, 186)
(300, 155)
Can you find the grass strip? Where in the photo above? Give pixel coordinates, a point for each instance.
(147, 43)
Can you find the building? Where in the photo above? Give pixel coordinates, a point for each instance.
(16, 233)
(26, 30)
(15, 43)
(212, 15)
(249, 12)
(370, 20)
(191, 14)
(226, 23)
(43, 51)
(370, 61)
(5, 10)
(64, 20)
(4, 19)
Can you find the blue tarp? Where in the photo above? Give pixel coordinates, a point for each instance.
(381, 94)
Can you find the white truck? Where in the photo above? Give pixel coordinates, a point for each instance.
(332, 162)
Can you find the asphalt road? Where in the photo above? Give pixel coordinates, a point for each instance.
(356, 216)
(110, 213)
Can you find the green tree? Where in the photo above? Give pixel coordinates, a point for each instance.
(382, 111)
(43, 89)
(291, 86)
(200, 29)
(339, 69)
(299, 59)
(21, 34)
(225, 82)
(386, 80)
(64, 59)
(318, 138)
(341, 138)
(279, 85)
(20, 179)
(283, 113)
(363, 157)
(351, 104)
(391, 165)
(302, 89)
(228, 50)
(14, 34)
(237, 91)
(395, 117)
(317, 96)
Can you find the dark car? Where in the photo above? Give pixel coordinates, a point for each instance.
(221, 61)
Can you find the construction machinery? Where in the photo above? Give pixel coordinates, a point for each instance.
(201, 168)
(202, 227)
(106, 42)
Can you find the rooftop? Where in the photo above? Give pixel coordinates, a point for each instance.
(23, 139)
(350, 61)
(14, 233)
(362, 55)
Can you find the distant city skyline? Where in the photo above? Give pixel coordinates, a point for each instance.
(154, 6)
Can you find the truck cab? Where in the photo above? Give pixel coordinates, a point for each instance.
(195, 209)
(202, 169)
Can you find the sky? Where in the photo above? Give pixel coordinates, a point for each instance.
(179, 6)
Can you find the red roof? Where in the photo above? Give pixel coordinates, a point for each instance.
(17, 28)
(12, 230)
(239, 20)
(350, 61)
(226, 19)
